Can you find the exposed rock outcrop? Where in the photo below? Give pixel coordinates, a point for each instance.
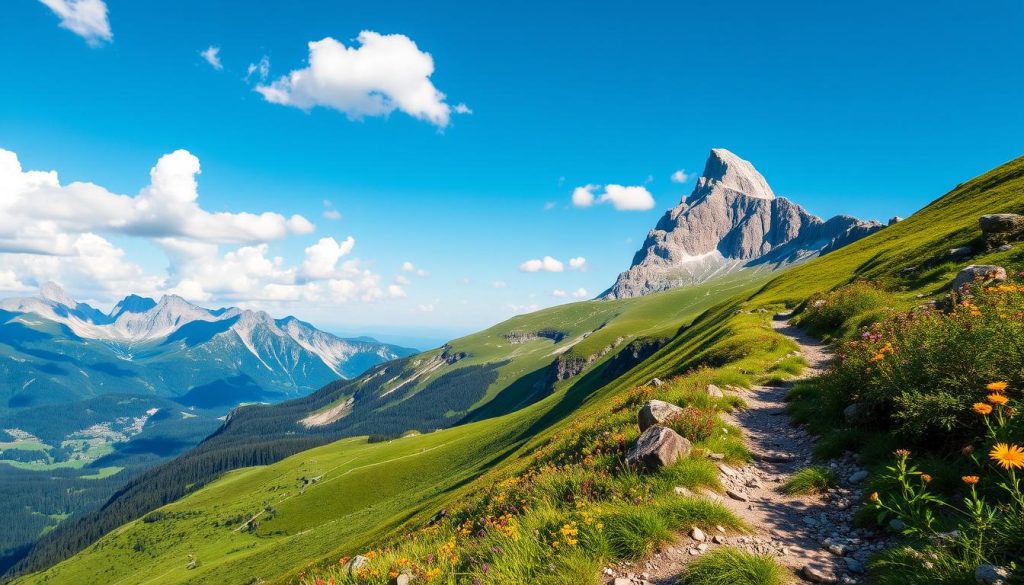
(732, 220)
(979, 272)
(657, 412)
(658, 447)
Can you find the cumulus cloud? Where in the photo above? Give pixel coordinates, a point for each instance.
(545, 264)
(584, 196)
(383, 74)
(212, 56)
(410, 267)
(85, 18)
(580, 293)
(55, 231)
(578, 263)
(38, 214)
(622, 198)
(261, 69)
(559, 293)
(680, 176)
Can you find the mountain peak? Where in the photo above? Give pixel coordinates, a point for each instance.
(725, 170)
(132, 304)
(52, 291)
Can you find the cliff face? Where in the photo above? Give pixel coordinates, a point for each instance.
(731, 220)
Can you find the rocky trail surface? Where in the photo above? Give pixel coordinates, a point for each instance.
(812, 535)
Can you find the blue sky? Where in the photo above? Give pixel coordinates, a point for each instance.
(872, 109)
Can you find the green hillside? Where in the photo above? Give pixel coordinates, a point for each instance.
(367, 491)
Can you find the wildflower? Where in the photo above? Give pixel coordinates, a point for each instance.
(903, 452)
(874, 497)
(999, 399)
(982, 408)
(1007, 456)
(997, 386)
(967, 450)
(925, 477)
(970, 479)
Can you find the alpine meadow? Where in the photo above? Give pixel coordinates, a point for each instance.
(535, 294)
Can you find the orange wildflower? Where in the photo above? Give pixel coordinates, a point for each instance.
(970, 479)
(982, 408)
(997, 386)
(999, 399)
(1007, 456)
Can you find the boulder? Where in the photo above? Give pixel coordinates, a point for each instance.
(354, 564)
(401, 579)
(1001, 223)
(657, 412)
(816, 574)
(987, 273)
(656, 382)
(715, 391)
(961, 252)
(991, 575)
(658, 447)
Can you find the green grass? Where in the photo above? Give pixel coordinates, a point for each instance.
(373, 494)
(811, 480)
(732, 566)
(104, 472)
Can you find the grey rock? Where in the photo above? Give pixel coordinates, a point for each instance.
(1001, 223)
(727, 471)
(858, 476)
(715, 391)
(961, 252)
(718, 539)
(987, 273)
(401, 579)
(816, 574)
(897, 525)
(1005, 248)
(894, 220)
(738, 495)
(698, 534)
(853, 565)
(730, 221)
(684, 492)
(658, 447)
(991, 575)
(622, 581)
(354, 564)
(716, 456)
(657, 412)
(656, 382)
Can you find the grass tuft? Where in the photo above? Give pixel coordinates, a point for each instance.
(732, 566)
(811, 480)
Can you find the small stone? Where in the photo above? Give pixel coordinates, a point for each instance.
(859, 476)
(726, 470)
(897, 525)
(684, 492)
(716, 456)
(737, 495)
(698, 534)
(715, 392)
(836, 549)
(718, 539)
(854, 565)
(656, 382)
(991, 575)
(623, 580)
(1005, 248)
(401, 579)
(816, 575)
(357, 562)
(720, 528)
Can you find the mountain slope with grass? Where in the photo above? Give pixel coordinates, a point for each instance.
(539, 494)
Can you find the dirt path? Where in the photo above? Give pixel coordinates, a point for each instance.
(811, 535)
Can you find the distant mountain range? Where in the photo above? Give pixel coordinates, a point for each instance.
(731, 221)
(60, 350)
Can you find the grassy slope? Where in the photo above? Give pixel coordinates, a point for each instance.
(347, 512)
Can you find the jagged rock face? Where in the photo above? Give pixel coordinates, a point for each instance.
(731, 220)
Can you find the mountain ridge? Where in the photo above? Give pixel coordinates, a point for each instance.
(732, 220)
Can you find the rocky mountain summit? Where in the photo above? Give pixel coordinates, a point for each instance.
(732, 220)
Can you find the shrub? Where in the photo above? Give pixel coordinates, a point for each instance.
(732, 566)
(811, 480)
(838, 313)
(923, 370)
(696, 424)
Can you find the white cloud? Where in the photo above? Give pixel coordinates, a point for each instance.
(520, 309)
(383, 74)
(578, 263)
(212, 56)
(461, 108)
(426, 308)
(546, 264)
(50, 231)
(261, 68)
(322, 258)
(559, 293)
(402, 280)
(332, 214)
(85, 18)
(38, 214)
(410, 267)
(580, 293)
(584, 196)
(499, 284)
(622, 198)
(680, 176)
